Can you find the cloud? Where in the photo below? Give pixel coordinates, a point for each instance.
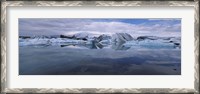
(35, 26)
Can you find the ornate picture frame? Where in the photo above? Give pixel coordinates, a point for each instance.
(5, 4)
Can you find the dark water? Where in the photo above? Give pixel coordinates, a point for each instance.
(71, 60)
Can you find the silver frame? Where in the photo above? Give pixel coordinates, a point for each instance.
(5, 4)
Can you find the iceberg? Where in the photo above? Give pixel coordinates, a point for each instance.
(121, 37)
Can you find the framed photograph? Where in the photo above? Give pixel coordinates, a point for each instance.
(100, 46)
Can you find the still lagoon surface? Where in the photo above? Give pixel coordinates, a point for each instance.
(106, 60)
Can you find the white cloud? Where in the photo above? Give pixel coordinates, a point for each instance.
(69, 26)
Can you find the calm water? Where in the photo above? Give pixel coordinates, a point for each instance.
(74, 60)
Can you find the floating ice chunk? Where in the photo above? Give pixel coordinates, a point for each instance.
(37, 41)
(46, 41)
(150, 44)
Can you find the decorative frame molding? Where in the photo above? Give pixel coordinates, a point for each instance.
(5, 4)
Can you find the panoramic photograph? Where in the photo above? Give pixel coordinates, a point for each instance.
(99, 46)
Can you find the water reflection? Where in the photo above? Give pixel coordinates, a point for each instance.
(123, 46)
(119, 46)
(93, 45)
(69, 61)
(96, 45)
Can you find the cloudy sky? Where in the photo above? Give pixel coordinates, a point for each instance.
(57, 26)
